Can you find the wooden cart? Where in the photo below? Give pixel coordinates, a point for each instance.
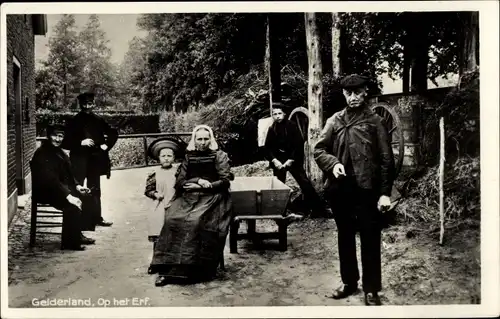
(258, 198)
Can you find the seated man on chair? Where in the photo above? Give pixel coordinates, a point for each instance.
(55, 185)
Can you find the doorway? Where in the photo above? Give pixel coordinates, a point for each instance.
(18, 120)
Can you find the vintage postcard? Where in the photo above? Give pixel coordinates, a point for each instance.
(250, 159)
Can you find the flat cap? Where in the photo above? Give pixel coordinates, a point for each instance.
(281, 105)
(354, 81)
(54, 127)
(177, 145)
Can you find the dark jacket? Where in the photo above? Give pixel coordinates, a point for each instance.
(283, 142)
(52, 177)
(361, 141)
(92, 126)
(213, 166)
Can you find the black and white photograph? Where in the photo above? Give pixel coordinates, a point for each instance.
(264, 159)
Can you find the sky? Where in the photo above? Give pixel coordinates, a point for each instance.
(121, 28)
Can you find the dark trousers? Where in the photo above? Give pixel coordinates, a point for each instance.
(356, 210)
(71, 229)
(311, 197)
(91, 207)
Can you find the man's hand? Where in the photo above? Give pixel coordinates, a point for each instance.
(82, 190)
(288, 163)
(204, 183)
(384, 203)
(159, 196)
(338, 170)
(104, 147)
(191, 186)
(74, 201)
(88, 142)
(277, 164)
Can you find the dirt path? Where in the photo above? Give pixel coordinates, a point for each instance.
(414, 270)
(116, 267)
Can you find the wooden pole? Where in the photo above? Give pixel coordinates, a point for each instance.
(272, 60)
(407, 58)
(315, 98)
(469, 55)
(267, 60)
(441, 179)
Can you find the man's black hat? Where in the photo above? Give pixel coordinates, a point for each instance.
(354, 81)
(85, 98)
(52, 128)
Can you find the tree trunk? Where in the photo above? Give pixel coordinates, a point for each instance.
(273, 60)
(65, 105)
(336, 47)
(419, 28)
(407, 51)
(315, 97)
(470, 40)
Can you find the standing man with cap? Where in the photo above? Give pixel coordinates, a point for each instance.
(284, 148)
(89, 139)
(355, 154)
(55, 184)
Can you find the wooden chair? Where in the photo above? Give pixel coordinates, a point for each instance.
(39, 215)
(42, 216)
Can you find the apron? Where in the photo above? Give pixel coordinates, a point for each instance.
(165, 181)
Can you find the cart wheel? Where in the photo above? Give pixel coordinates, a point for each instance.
(300, 116)
(391, 121)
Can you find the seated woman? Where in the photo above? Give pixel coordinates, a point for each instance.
(192, 239)
(160, 182)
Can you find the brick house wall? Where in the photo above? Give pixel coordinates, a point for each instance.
(21, 31)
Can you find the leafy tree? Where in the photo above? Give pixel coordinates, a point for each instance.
(192, 59)
(47, 90)
(59, 75)
(98, 72)
(128, 75)
(428, 42)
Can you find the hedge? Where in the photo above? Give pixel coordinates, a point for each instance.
(130, 123)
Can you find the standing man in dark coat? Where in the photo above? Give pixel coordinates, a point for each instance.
(355, 154)
(284, 149)
(89, 139)
(54, 184)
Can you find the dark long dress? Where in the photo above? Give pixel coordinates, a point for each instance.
(191, 242)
